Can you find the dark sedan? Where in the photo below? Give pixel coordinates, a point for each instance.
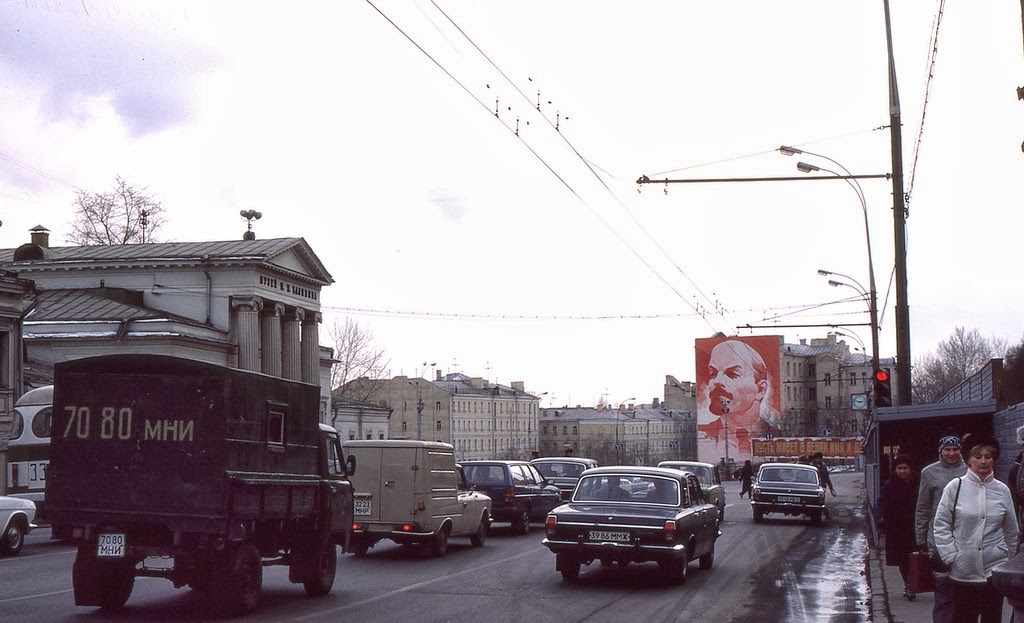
(519, 493)
(634, 514)
(563, 472)
(788, 489)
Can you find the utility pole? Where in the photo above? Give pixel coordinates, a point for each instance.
(899, 221)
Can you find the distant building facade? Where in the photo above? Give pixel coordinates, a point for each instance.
(482, 420)
(354, 419)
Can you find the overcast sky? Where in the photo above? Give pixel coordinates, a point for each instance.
(370, 130)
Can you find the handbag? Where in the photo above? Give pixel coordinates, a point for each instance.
(937, 564)
(919, 574)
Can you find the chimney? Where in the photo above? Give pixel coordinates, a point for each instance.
(437, 373)
(519, 386)
(656, 402)
(40, 236)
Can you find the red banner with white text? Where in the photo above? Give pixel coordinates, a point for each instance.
(795, 447)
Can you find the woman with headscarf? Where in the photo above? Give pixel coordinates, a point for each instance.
(974, 530)
(896, 514)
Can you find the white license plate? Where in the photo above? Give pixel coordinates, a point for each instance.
(110, 546)
(601, 535)
(363, 507)
(789, 498)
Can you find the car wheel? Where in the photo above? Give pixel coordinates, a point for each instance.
(675, 570)
(568, 567)
(758, 516)
(480, 535)
(13, 539)
(708, 559)
(439, 544)
(359, 547)
(816, 518)
(521, 524)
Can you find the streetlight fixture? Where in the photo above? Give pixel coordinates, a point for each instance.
(855, 185)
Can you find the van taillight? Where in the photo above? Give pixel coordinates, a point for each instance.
(510, 495)
(355, 527)
(670, 531)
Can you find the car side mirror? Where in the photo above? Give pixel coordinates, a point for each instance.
(350, 465)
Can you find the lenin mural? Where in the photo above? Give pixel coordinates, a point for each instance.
(737, 395)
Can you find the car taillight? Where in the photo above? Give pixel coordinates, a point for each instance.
(550, 524)
(670, 531)
(510, 495)
(355, 527)
(406, 528)
(821, 496)
(756, 493)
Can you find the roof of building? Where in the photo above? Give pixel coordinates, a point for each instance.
(641, 413)
(95, 304)
(217, 252)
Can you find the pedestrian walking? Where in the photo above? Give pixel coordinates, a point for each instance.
(974, 530)
(746, 478)
(897, 504)
(934, 478)
(818, 460)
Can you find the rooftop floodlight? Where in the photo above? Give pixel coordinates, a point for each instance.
(786, 150)
(803, 167)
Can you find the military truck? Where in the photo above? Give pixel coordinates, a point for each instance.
(220, 471)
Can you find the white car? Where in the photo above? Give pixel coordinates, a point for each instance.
(16, 517)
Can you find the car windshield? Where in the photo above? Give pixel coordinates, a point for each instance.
(702, 472)
(788, 474)
(560, 470)
(485, 474)
(627, 488)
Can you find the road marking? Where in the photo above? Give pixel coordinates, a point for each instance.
(406, 589)
(10, 599)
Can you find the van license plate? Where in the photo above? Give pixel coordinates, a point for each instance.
(363, 507)
(601, 535)
(110, 546)
(789, 498)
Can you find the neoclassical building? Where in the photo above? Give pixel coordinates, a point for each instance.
(251, 304)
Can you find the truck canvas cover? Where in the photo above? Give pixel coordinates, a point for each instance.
(184, 443)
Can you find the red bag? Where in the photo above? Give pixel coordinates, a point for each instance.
(919, 575)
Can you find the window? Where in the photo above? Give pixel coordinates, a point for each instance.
(812, 393)
(828, 379)
(439, 425)
(380, 436)
(334, 466)
(437, 406)
(853, 378)
(828, 402)
(810, 369)
(565, 430)
(573, 430)
(351, 435)
(369, 435)
(275, 426)
(41, 423)
(405, 426)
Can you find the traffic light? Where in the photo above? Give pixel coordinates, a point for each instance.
(882, 387)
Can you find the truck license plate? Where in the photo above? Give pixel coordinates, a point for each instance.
(601, 535)
(110, 546)
(789, 498)
(363, 507)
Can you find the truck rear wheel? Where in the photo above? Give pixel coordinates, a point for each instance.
(235, 584)
(107, 584)
(320, 580)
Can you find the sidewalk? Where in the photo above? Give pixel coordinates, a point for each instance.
(887, 604)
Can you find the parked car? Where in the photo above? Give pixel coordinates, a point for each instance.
(788, 489)
(710, 482)
(633, 514)
(563, 471)
(16, 517)
(519, 493)
(411, 491)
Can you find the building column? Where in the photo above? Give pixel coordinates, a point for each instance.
(311, 347)
(247, 331)
(271, 339)
(291, 364)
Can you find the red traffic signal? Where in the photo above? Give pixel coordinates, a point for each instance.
(882, 388)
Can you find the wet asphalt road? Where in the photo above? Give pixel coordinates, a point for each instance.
(782, 570)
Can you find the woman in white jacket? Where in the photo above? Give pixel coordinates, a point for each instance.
(975, 529)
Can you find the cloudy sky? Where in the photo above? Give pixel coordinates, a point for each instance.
(466, 170)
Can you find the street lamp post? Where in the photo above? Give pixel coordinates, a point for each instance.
(855, 185)
(419, 400)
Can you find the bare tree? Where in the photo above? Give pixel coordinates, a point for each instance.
(124, 215)
(1013, 374)
(963, 354)
(358, 359)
